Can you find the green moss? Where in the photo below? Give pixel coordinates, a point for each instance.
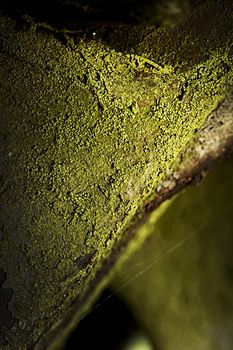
(98, 130)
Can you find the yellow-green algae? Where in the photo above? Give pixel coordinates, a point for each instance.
(88, 134)
(179, 283)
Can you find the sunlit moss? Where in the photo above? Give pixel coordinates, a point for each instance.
(91, 132)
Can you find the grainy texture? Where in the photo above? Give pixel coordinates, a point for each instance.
(89, 130)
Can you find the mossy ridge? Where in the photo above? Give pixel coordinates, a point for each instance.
(97, 135)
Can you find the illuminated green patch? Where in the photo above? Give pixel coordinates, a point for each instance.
(93, 132)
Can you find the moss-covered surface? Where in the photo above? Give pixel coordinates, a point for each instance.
(88, 132)
(179, 283)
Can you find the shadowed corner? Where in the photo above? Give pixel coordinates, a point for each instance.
(109, 326)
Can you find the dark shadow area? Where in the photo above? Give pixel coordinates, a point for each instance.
(82, 14)
(129, 26)
(108, 326)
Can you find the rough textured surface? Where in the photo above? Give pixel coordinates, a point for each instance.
(179, 283)
(88, 132)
